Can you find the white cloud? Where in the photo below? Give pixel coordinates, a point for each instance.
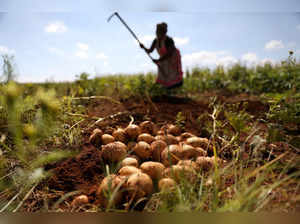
(101, 56)
(56, 51)
(83, 46)
(81, 54)
(250, 58)
(274, 44)
(208, 58)
(266, 61)
(56, 27)
(6, 50)
(146, 40)
(181, 41)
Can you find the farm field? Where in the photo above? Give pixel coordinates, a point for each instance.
(227, 140)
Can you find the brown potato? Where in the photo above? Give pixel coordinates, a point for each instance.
(130, 161)
(132, 131)
(188, 163)
(159, 137)
(146, 138)
(178, 172)
(157, 147)
(120, 135)
(198, 142)
(128, 170)
(153, 169)
(143, 150)
(148, 127)
(173, 130)
(108, 185)
(184, 136)
(171, 155)
(190, 152)
(80, 200)
(166, 184)
(205, 163)
(139, 185)
(114, 152)
(106, 139)
(95, 138)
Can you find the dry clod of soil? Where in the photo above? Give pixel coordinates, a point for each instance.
(114, 152)
(95, 138)
(146, 138)
(80, 200)
(157, 147)
(106, 139)
(139, 185)
(148, 127)
(107, 187)
(166, 184)
(143, 150)
(133, 131)
(130, 161)
(128, 171)
(171, 155)
(120, 135)
(153, 169)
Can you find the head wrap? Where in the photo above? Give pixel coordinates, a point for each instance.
(163, 27)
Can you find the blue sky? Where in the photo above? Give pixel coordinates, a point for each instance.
(57, 40)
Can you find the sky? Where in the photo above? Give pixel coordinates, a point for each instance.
(57, 40)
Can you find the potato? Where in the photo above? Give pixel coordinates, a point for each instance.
(186, 135)
(178, 173)
(190, 152)
(128, 170)
(146, 138)
(130, 161)
(148, 127)
(114, 152)
(166, 184)
(120, 135)
(198, 142)
(153, 169)
(159, 137)
(171, 140)
(80, 200)
(95, 138)
(108, 185)
(173, 130)
(171, 155)
(143, 150)
(157, 147)
(132, 131)
(139, 185)
(188, 163)
(106, 139)
(160, 132)
(205, 163)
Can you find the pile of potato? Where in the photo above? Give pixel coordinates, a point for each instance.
(148, 155)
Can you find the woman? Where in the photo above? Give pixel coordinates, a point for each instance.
(169, 62)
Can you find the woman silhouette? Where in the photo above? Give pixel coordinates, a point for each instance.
(169, 62)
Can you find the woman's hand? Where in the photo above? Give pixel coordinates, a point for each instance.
(142, 46)
(155, 61)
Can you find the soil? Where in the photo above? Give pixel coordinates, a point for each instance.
(85, 172)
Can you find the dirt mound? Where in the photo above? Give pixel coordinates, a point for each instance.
(83, 172)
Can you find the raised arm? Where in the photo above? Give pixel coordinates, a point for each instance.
(151, 49)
